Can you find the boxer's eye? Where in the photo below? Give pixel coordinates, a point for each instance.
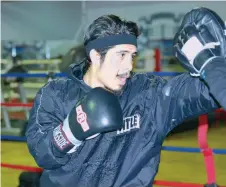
(122, 55)
(134, 56)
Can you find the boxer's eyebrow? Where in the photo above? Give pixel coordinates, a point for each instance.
(126, 51)
(123, 51)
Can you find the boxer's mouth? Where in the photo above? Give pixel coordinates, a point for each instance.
(123, 75)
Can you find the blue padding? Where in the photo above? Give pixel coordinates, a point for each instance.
(13, 138)
(27, 75)
(181, 149)
(219, 151)
(191, 150)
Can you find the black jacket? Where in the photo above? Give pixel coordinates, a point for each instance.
(130, 157)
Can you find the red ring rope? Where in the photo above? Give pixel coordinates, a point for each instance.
(206, 150)
(21, 167)
(17, 104)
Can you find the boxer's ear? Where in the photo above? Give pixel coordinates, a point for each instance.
(95, 57)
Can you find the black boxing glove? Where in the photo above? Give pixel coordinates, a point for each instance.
(97, 112)
(200, 40)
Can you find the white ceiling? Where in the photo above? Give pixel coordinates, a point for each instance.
(40, 20)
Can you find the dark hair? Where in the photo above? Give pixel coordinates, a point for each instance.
(109, 25)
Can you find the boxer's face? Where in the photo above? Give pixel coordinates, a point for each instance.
(116, 67)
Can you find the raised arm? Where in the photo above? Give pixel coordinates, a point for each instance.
(200, 46)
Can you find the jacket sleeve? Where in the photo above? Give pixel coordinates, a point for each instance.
(44, 133)
(185, 97)
(215, 77)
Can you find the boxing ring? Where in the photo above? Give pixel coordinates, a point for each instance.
(207, 152)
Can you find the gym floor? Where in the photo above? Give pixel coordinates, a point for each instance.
(174, 166)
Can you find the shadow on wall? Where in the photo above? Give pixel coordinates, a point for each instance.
(74, 55)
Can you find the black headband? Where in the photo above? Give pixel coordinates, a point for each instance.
(111, 41)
